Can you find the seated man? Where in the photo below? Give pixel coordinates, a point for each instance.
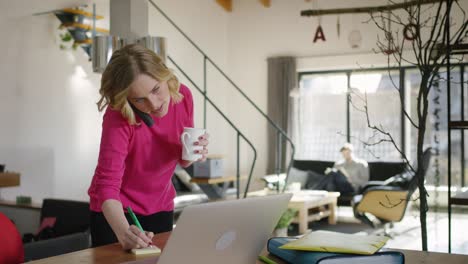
(347, 176)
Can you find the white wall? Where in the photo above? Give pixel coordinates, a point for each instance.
(50, 124)
(51, 127)
(256, 33)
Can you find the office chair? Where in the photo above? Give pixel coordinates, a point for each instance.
(388, 200)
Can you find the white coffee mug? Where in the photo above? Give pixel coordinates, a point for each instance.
(188, 138)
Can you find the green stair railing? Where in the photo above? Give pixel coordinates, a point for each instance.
(281, 134)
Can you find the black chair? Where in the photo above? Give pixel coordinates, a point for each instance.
(69, 233)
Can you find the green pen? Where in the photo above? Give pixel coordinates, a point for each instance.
(134, 218)
(266, 260)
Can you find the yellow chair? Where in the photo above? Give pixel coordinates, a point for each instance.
(388, 201)
(388, 205)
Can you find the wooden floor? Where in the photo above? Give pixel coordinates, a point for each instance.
(407, 233)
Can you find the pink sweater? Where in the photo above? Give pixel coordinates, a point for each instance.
(136, 162)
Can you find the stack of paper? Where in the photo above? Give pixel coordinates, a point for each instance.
(327, 241)
(148, 250)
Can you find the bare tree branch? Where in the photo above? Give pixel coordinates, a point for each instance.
(429, 47)
(389, 138)
(363, 142)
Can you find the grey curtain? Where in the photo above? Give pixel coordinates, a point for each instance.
(282, 78)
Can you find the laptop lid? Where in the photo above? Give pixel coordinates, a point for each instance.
(225, 232)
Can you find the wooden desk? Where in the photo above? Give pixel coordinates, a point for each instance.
(114, 254)
(106, 254)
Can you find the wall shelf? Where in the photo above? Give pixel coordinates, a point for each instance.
(84, 27)
(79, 12)
(9, 179)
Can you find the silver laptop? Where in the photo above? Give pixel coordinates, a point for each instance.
(224, 232)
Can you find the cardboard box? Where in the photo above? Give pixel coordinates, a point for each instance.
(211, 168)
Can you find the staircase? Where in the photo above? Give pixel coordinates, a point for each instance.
(80, 34)
(216, 188)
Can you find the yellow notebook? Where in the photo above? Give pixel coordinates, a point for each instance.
(147, 250)
(327, 241)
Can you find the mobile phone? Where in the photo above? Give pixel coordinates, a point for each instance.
(147, 119)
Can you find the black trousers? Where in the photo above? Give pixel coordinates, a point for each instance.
(332, 182)
(102, 234)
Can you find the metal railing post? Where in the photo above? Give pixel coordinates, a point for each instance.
(269, 120)
(238, 166)
(278, 160)
(204, 91)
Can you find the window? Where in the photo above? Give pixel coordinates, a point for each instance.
(464, 158)
(319, 122)
(380, 92)
(436, 126)
(324, 118)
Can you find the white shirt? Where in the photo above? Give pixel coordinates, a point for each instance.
(357, 171)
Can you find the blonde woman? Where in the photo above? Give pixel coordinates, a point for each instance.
(146, 110)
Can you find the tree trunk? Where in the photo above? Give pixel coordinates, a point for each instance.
(420, 173)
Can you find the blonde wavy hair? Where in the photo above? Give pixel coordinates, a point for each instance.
(124, 67)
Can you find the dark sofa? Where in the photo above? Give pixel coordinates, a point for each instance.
(378, 171)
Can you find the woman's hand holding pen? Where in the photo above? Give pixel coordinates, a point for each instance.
(135, 238)
(203, 141)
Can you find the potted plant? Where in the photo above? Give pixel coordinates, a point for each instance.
(281, 229)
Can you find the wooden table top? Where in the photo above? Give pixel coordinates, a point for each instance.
(106, 254)
(114, 254)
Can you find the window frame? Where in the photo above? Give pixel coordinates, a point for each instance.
(402, 80)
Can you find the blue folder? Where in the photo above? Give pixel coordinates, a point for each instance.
(311, 257)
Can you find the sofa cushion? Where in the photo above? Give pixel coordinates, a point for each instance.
(296, 175)
(57, 246)
(381, 170)
(378, 171)
(317, 166)
(184, 179)
(187, 199)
